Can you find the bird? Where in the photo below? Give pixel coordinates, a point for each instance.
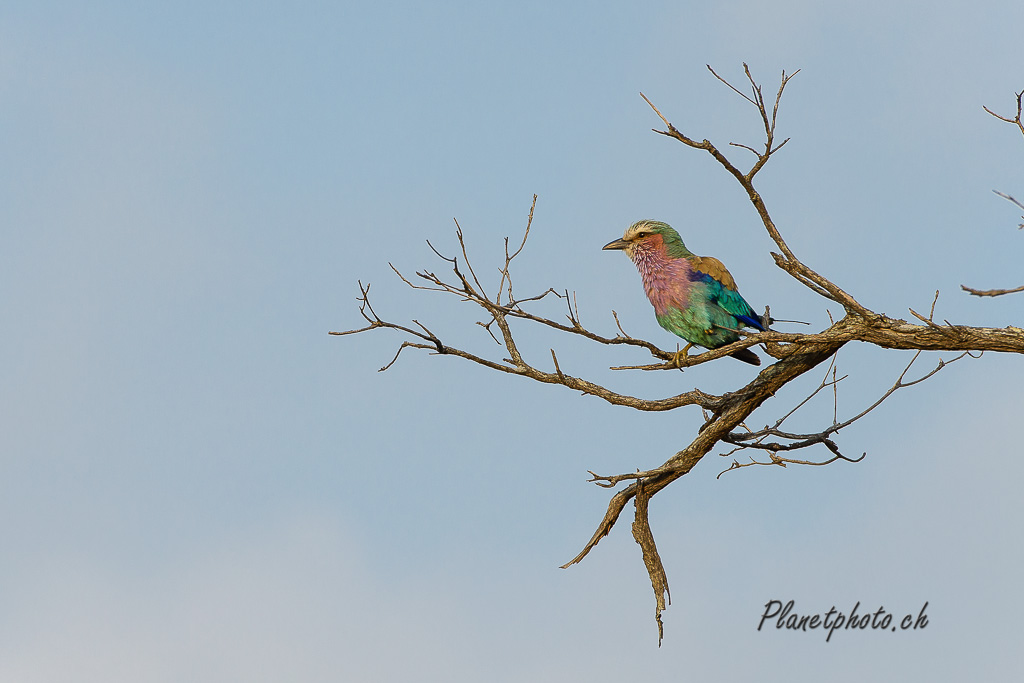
(694, 297)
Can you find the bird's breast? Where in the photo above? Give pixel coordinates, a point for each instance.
(666, 281)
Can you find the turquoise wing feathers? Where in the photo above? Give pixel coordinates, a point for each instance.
(733, 303)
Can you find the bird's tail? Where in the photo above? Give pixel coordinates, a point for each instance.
(747, 356)
(772, 321)
(767, 320)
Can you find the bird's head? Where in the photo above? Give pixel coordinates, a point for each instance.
(649, 235)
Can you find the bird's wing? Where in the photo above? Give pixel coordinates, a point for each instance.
(738, 307)
(709, 265)
(725, 294)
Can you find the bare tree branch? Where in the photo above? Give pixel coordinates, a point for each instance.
(1012, 200)
(724, 415)
(756, 440)
(991, 292)
(655, 569)
(1016, 120)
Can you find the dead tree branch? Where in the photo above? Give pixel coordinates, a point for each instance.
(991, 292)
(1016, 120)
(724, 415)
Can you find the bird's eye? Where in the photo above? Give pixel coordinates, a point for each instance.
(641, 234)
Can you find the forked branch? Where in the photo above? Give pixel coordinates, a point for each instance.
(724, 416)
(1016, 120)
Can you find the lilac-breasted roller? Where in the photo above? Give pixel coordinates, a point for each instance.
(693, 296)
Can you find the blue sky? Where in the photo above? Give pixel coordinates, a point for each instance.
(198, 483)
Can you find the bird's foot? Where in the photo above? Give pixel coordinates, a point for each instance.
(679, 356)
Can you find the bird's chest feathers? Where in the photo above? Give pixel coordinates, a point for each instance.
(667, 281)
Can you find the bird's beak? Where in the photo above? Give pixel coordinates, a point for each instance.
(616, 244)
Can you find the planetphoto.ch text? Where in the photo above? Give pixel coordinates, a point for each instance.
(783, 616)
